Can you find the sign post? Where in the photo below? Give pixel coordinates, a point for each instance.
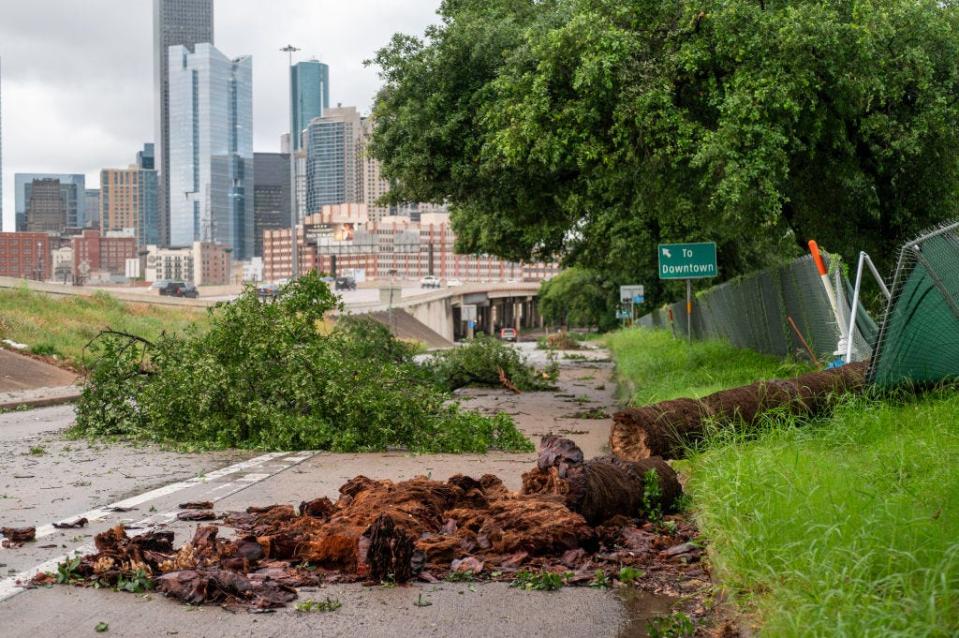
(632, 295)
(688, 261)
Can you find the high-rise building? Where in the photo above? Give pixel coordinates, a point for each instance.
(184, 23)
(310, 86)
(374, 186)
(128, 199)
(91, 207)
(271, 195)
(46, 207)
(334, 162)
(211, 149)
(74, 195)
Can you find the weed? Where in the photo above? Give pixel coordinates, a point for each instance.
(540, 581)
(421, 602)
(652, 494)
(461, 577)
(139, 582)
(67, 571)
(37, 450)
(676, 625)
(629, 575)
(321, 606)
(45, 349)
(600, 580)
(101, 627)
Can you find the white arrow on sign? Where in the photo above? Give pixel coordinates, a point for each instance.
(667, 253)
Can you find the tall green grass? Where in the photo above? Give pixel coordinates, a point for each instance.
(652, 366)
(844, 527)
(62, 326)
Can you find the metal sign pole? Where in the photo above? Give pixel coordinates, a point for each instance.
(689, 309)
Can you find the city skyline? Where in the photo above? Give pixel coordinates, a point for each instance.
(66, 113)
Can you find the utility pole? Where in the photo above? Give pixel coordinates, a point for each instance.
(294, 261)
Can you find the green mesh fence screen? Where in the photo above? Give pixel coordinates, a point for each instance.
(751, 312)
(919, 337)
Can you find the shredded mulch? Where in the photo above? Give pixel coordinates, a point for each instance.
(573, 516)
(667, 429)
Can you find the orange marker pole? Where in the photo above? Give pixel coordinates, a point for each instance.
(830, 293)
(689, 309)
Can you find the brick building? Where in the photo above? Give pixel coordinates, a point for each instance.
(25, 255)
(94, 253)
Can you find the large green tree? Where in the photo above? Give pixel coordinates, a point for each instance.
(590, 130)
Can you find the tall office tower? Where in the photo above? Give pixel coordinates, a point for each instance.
(73, 188)
(374, 186)
(175, 23)
(310, 86)
(128, 199)
(271, 195)
(334, 167)
(46, 207)
(211, 149)
(91, 207)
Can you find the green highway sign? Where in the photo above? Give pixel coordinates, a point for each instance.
(687, 261)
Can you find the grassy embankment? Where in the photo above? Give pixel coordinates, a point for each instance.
(62, 326)
(846, 526)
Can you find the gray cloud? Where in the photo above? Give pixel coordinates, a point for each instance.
(78, 75)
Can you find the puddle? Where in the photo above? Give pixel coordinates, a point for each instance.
(640, 608)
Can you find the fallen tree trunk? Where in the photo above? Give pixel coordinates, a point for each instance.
(666, 429)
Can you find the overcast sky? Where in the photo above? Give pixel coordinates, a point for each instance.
(77, 81)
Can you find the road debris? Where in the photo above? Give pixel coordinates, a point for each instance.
(14, 537)
(573, 518)
(77, 524)
(196, 505)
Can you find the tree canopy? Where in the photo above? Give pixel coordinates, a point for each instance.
(590, 130)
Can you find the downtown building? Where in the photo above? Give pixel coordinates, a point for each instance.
(176, 23)
(101, 257)
(25, 255)
(128, 199)
(271, 195)
(58, 202)
(334, 159)
(211, 149)
(343, 239)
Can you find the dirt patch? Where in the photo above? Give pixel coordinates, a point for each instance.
(665, 429)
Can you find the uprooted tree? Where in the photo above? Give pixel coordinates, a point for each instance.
(269, 376)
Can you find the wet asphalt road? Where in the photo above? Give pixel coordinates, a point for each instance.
(47, 478)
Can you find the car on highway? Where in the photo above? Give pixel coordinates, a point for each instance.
(267, 291)
(179, 289)
(345, 283)
(430, 281)
(507, 334)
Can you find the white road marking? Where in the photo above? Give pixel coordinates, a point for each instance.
(9, 586)
(102, 512)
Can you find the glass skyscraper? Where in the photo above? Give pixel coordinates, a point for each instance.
(310, 84)
(175, 23)
(211, 149)
(334, 172)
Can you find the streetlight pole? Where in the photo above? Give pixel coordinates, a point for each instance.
(294, 261)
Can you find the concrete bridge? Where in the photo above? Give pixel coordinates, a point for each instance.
(447, 311)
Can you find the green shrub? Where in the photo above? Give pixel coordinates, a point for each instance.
(262, 376)
(479, 362)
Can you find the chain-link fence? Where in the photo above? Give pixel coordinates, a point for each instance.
(919, 338)
(754, 312)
